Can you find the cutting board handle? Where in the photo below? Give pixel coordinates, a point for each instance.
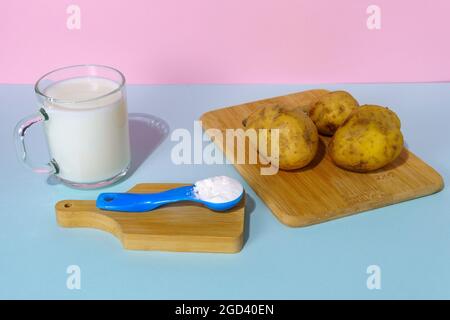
(79, 214)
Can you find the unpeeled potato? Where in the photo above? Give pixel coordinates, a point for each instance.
(331, 110)
(369, 139)
(298, 136)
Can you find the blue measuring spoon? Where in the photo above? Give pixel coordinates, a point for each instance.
(140, 202)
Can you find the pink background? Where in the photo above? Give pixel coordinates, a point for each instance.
(229, 41)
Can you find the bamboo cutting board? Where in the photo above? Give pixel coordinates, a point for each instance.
(321, 191)
(187, 227)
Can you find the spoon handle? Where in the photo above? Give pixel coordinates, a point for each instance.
(140, 202)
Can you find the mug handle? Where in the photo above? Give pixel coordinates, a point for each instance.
(19, 139)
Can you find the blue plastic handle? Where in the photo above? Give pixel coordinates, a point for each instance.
(136, 202)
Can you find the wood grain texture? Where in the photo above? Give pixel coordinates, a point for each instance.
(321, 191)
(186, 227)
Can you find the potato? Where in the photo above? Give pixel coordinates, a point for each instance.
(381, 114)
(331, 110)
(298, 136)
(369, 139)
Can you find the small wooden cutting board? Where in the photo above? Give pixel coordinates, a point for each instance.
(322, 191)
(183, 227)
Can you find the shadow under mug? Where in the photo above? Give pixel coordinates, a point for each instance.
(84, 113)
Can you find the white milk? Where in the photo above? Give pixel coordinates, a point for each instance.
(89, 140)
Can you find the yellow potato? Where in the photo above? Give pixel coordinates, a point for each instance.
(369, 139)
(331, 110)
(378, 113)
(298, 136)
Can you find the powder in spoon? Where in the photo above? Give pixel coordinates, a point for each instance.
(218, 189)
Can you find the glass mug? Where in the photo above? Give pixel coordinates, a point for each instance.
(84, 113)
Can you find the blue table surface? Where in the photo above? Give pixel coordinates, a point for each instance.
(410, 241)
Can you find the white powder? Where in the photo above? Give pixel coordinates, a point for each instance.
(218, 189)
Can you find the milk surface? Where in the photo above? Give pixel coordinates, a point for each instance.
(89, 140)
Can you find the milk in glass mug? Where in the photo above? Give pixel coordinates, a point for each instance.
(84, 113)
